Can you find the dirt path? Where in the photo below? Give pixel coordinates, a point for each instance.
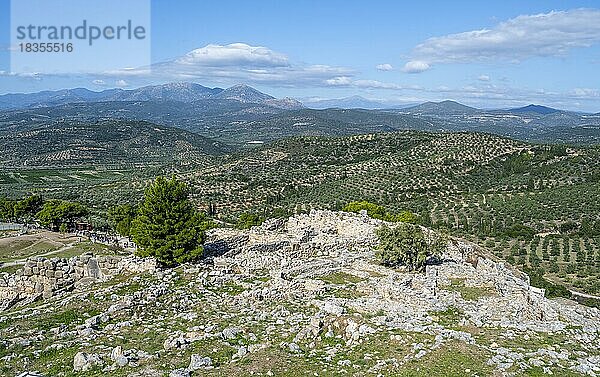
(49, 253)
(585, 295)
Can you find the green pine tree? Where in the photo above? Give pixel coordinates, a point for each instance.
(121, 217)
(167, 226)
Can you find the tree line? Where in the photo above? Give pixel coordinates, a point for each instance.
(54, 214)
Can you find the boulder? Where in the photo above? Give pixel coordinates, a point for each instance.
(83, 362)
(198, 362)
(181, 372)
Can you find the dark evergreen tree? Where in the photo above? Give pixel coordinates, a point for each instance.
(26, 209)
(167, 226)
(121, 217)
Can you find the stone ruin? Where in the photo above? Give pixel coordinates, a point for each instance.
(308, 246)
(44, 277)
(298, 251)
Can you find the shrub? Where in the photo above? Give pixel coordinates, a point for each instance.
(248, 220)
(407, 245)
(373, 210)
(379, 212)
(519, 231)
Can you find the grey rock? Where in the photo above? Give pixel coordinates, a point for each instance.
(121, 361)
(83, 361)
(241, 352)
(294, 348)
(181, 372)
(198, 362)
(118, 357)
(230, 333)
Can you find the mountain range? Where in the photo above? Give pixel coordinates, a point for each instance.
(441, 108)
(534, 109)
(179, 92)
(241, 114)
(191, 92)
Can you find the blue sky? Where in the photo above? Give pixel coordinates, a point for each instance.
(486, 54)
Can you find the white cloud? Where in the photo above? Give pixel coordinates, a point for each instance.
(99, 82)
(345, 81)
(384, 67)
(585, 93)
(26, 75)
(235, 54)
(415, 66)
(374, 84)
(339, 81)
(235, 63)
(548, 34)
(121, 83)
(483, 78)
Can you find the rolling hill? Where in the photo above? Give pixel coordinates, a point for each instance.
(537, 109)
(110, 142)
(502, 193)
(443, 108)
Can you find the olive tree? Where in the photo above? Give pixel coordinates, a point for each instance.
(407, 245)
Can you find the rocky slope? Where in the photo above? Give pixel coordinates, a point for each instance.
(293, 297)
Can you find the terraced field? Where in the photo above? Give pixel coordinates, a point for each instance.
(96, 185)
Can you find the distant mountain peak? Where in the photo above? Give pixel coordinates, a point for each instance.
(244, 93)
(532, 108)
(242, 86)
(287, 103)
(441, 108)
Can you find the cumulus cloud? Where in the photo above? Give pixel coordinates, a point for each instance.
(235, 54)
(339, 81)
(415, 66)
(238, 62)
(483, 78)
(541, 35)
(121, 83)
(99, 82)
(384, 67)
(374, 84)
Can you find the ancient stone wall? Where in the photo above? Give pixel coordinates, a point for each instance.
(43, 277)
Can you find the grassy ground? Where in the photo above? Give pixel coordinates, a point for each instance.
(469, 293)
(42, 242)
